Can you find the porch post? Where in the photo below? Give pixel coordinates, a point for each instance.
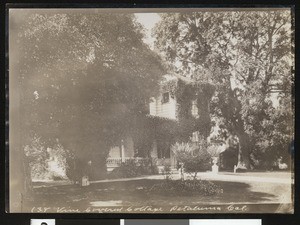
(122, 151)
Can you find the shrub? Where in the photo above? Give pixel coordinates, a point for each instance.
(194, 157)
(128, 169)
(57, 178)
(186, 188)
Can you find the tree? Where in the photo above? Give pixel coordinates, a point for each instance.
(245, 54)
(83, 76)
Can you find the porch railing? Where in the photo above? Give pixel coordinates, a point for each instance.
(117, 161)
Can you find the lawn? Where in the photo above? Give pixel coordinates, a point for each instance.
(135, 193)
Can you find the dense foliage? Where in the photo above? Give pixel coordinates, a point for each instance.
(81, 79)
(202, 94)
(248, 57)
(133, 168)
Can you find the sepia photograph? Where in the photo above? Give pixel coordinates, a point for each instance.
(150, 110)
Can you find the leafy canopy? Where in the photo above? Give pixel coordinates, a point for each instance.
(83, 77)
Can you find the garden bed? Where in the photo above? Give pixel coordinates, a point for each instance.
(186, 188)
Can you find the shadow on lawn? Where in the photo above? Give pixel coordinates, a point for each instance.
(136, 193)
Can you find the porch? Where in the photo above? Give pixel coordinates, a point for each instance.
(114, 162)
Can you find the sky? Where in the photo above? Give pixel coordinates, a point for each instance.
(148, 20)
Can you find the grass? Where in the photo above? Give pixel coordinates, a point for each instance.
(135, 193)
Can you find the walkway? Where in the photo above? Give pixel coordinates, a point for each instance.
(261, 177)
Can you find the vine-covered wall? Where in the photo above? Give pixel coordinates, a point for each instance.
(202, 94)
(180, 130)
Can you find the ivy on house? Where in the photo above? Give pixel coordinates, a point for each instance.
(201, 92)
(147, 129)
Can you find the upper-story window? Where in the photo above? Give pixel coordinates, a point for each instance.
(165, 97)
(195, 136)
(195, 109)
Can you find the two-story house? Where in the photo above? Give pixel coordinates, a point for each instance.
(163, 106)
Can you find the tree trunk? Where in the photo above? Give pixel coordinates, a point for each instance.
(244, 144)
(19, 171)
(244, 150)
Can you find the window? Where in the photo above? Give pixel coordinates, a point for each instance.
(195, 109)
(195, 136)
(165, 98)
